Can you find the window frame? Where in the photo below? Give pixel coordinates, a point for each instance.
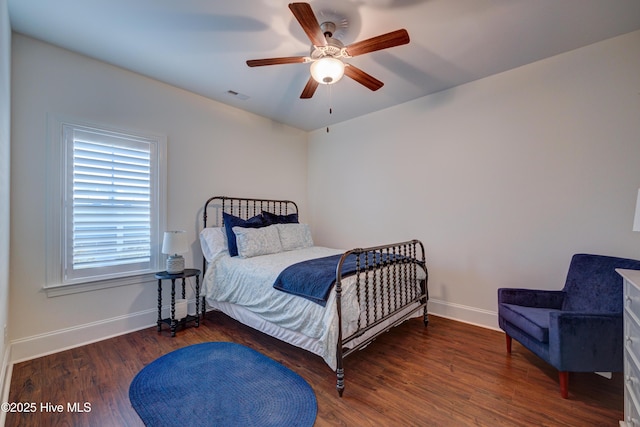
(57, 217)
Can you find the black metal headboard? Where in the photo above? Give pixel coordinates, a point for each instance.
(243, 208)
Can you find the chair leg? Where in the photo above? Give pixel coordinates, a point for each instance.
(564, 384)
(509, 339)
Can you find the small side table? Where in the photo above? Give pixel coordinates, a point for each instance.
(172, 321)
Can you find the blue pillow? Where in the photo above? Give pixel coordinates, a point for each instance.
(231, 221)
(271, 218)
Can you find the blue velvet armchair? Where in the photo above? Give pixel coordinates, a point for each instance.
(576, 329)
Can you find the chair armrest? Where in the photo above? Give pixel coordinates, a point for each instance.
(531, 297)
(586, 342)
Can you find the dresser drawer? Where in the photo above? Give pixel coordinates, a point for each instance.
(632, 300)
(632, 336)
(632, 375)
(631, 415)
(632, 391)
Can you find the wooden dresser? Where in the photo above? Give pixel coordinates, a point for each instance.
(631, 347)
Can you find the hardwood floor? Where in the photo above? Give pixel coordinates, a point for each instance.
(448, 374)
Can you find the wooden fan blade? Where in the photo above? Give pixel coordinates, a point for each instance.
(309, 89)
(308, 22)
(275, 61)
(366, 80)
(384, 41)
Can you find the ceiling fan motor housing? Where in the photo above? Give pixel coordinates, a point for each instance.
(334, 48)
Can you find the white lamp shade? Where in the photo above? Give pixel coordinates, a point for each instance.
(636, 219)
(175, 242)
(327, 70)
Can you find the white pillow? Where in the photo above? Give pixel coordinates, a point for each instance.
(213, 242)
(294, 236)
(257, 241)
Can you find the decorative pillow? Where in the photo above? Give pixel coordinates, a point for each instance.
(272, 218)
(231, 221)
(213, 242)
(294, 236)
(257, 241)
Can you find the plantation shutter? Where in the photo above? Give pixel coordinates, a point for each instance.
(109, 199)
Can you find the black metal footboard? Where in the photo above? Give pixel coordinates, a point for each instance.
(390, 286)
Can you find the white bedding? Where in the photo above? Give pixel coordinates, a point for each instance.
(248, 282)
(243, 289)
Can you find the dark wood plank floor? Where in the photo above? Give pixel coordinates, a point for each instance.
(448, 374)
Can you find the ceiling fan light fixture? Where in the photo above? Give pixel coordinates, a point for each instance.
(327, 70)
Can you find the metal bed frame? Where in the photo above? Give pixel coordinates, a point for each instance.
(385, 276)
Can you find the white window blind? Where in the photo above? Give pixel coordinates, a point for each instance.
(110, 203)
(110, 210)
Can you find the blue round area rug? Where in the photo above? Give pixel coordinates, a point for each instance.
(221, 384)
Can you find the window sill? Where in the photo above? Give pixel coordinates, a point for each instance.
(60, 290)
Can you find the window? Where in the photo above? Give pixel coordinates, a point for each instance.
(107, 206)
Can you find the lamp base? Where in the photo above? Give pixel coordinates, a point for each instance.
(175, 264)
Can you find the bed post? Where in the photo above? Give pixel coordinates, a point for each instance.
(339, 367)
(423, 283)
(425, 290)
(339, 357)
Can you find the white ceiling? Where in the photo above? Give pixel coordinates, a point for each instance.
(202, 45)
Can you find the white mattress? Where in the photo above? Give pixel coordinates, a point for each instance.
(243, 289)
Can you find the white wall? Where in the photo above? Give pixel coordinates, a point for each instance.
(213, 149)
(503, 179)
(5, 126)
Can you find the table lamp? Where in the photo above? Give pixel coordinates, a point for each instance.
(174, 244)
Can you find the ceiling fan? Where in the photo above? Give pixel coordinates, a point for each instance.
(327, 53)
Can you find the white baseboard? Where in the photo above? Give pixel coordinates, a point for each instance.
(52, 342)
(462, 313)
(5, 380)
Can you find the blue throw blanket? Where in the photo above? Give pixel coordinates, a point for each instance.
(314, 278)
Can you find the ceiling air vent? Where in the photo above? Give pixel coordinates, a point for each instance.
(238, 95)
